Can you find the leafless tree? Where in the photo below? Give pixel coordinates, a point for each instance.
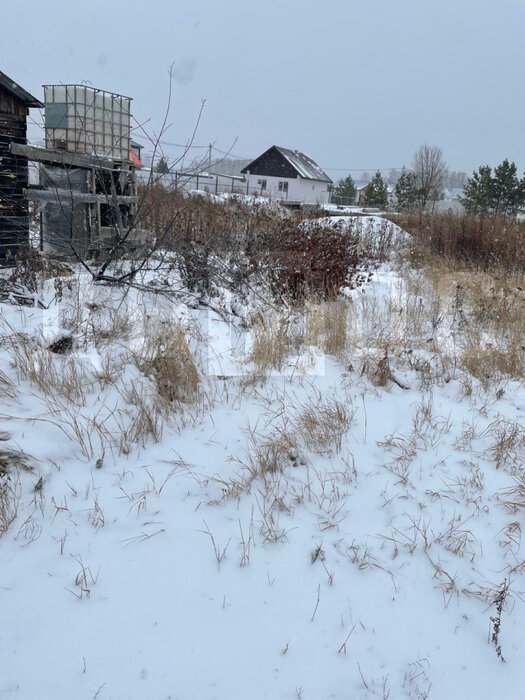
(431, 170)
(393, 176)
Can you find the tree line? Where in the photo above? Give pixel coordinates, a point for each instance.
(488, 191)
(415, 187)
(498, 192)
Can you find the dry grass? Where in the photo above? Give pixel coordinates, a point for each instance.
(473, 277)
(10, 491)
(513, 497)
(148, 419)
(326, 325)
(274, 339)
(322, 423)
(273, 454)
(486, 242)
(167, 358)
(317, 323)
(7, 388)
(63, 376)
(11, 463)
(442, 319)
(90, 432)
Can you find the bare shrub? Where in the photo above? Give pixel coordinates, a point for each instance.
(31, 268)
(377, 241)
(303, 259)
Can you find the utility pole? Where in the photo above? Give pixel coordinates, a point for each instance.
(209, 157)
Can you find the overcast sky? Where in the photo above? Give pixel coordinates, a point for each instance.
(355, 84)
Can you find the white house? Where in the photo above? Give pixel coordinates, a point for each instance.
(287, 175)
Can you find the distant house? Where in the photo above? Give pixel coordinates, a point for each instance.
(450, 200)
(361, 187)
(287, 175)
(452, 193)
(14, 221)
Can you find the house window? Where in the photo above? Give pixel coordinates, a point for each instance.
(283, 186)
(262, 184)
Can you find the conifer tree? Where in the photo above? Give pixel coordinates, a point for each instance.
(376, 192)
(344, 192)
(499, 193)
(508, 191)
(406, 191)
(162, 167)
(478, 193)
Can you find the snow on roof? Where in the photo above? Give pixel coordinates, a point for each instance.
(306, 167)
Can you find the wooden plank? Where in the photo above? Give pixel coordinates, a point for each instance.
(10, 104)
(43, 155)
(66, 195)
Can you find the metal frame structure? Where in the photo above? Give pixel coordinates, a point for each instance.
(87, 191)
(87, 120)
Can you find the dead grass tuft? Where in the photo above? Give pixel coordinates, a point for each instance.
(10, 492)
(322, 423)
(273, 341)
(326, 325)
(166, 356)
(53, 376)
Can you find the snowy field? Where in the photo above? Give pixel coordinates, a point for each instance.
(335, 521)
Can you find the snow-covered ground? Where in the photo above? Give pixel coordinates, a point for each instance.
(314, 533)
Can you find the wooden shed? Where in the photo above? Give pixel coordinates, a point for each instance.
(14, 220)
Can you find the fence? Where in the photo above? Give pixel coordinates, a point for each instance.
(213, 183)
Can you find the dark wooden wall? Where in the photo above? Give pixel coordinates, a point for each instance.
(14, 219)
(271, 163)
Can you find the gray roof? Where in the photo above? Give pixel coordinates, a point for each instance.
(305, 166)
(18, 91)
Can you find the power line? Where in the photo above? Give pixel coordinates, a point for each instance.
(234, 155)
(362, 170)
(181, 145)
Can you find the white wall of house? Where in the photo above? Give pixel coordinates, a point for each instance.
(299, 189)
